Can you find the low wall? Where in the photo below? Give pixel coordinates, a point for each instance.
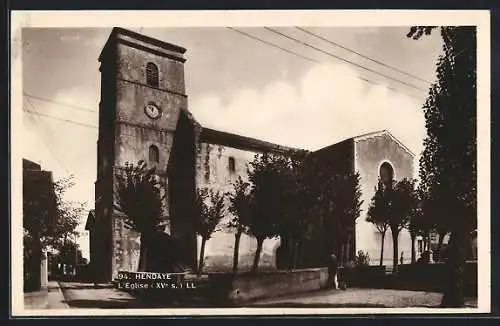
(414, 277)
(226, 289)
(219, 251)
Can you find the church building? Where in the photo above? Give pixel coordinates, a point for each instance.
(143, 115)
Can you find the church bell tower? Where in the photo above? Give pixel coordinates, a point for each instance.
(142, 93)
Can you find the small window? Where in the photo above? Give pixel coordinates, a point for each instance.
(154, 154)
(232, 166)
(152, 78)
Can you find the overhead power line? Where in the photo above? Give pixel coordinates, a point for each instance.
(313, 60)
(273, 45)
(61, 119)
(362, 55)
(51, 151)
(60, 103)
(47, 130)
(342, 59)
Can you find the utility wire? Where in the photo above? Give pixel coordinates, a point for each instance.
(61, 119)
(342, 59)
(313, 60)
(52, 153)
(39, 121)
(273, 45)
(60, 103)
(361, 55)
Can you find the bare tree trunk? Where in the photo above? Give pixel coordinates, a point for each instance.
(395, 253)
(237, 238)
(256, 259)
(143, 253)
(202, 256)
(382, 248)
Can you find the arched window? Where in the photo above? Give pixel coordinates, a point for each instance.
(152, 78)
(154, 154)
(231, 165)
(386, 173)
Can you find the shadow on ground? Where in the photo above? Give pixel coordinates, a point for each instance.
(87, 287)
(106, 304)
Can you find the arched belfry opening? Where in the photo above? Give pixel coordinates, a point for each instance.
(152, 74)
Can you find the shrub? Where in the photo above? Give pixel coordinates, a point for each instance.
(362, 259)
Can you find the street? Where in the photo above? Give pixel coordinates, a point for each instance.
(85, 295)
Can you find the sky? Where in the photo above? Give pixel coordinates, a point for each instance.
(234, 83)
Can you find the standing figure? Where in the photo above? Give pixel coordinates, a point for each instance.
(402, 259)
(332, 271)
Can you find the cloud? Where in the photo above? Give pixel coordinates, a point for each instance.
(328, 104)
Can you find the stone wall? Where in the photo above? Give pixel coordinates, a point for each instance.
(370, 153)
(213, 171)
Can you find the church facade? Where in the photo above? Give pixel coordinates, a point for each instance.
(143, 115)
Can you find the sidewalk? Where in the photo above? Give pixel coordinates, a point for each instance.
(49, 298)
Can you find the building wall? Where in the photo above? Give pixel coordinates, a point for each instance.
(370, 153)
(212, 170)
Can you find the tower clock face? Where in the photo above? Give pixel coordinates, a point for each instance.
(152, 111)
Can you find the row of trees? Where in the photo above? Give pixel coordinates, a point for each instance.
(448, 165)
(292, 196)
(395, 206)
(445, 200)
(288, 196)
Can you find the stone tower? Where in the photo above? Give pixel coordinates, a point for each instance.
(142, 95)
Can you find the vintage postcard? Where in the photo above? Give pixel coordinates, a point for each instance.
(250, 162)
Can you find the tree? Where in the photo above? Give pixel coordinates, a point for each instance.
(48, 218)
(391, 208)
(348, 208)
(265, 175)
(378, 215)
(450, 156)
(402, 201)
(139, 197)
(416, 224)
(295, 204)
(47, 215)
(240, 201)
(209, 211)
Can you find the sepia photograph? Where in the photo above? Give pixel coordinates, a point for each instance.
(250, 163)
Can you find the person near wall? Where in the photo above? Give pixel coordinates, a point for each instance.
(402, 258)
(333, 266)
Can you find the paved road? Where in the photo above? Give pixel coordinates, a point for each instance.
(81, 295)
(358, 298)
